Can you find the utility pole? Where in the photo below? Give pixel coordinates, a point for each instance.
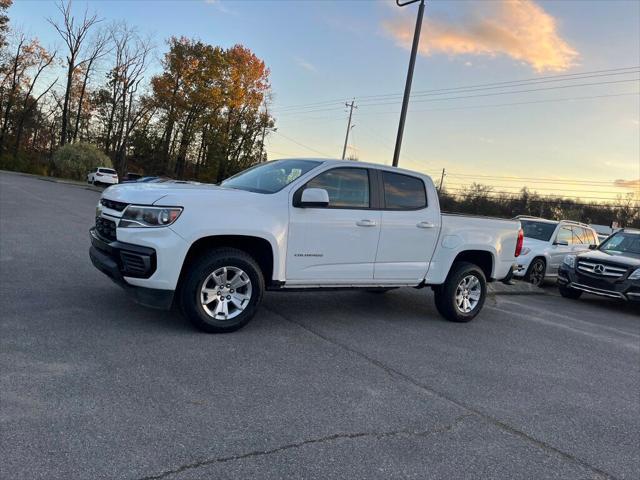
(407, 87)
(441, 181)
(346, 138)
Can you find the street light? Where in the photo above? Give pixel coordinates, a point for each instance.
(407, 87)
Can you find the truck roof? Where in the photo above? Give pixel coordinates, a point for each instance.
(357, 163)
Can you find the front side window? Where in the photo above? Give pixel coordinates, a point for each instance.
(565, 235)
(402, 192)
(270, 177)
(347, 187)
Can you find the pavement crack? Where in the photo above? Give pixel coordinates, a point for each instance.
(312, 441)
(397, 374)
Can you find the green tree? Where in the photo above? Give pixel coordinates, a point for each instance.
(75, 160)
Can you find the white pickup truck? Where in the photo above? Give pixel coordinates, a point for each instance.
(295, 224)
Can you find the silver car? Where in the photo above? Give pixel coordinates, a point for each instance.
(546, 242)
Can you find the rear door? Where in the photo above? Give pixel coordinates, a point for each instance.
(409, 231)
(335, 244)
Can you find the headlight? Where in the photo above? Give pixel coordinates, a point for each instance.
(138, 216)
(570, 261)
(525, 251)
(635, 275)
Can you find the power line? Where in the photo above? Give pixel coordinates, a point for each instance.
(303, 145)
(461, 97)
(503, 84)
(509, 104)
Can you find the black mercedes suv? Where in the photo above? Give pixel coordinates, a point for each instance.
(611, 270)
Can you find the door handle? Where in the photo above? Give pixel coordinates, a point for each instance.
(366, 223)
(425, 225)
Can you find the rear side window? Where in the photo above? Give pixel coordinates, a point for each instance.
(402, 192)
(347, 187)
(107, 170)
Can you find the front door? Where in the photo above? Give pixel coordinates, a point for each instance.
(409, 231)
(335, 244)
(562, 245)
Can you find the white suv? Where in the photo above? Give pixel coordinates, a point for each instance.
(103, 176)
(546, 242)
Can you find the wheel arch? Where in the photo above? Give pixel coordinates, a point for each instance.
(259, 248)
(484, 259)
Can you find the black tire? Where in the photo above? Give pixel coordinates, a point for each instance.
(445, 295)
(96, 183)
(567, 292)
(199, 272)
(381, 289)
(536, 272)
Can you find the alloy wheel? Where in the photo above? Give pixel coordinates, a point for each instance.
(225, 293)
(468, 293)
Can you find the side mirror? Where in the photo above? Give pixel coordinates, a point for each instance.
(593, 247)
(561, 243)
(314, 197)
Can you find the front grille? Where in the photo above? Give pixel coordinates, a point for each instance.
(106, 228)
(602, 269)
(113, 205)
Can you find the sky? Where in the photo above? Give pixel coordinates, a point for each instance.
(569, 121)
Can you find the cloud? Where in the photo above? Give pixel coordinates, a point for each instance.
(633, 184)
(304, 64)
(517, 28)
(220, 6)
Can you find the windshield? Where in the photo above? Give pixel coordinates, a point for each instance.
(622, 243)
(538, 230)
(107, 170)
(270, 177)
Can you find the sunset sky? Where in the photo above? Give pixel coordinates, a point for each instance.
(583, 126)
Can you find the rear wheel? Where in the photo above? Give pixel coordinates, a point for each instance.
(567, 292)
(462, 295)
(536, 272)
(222, 291)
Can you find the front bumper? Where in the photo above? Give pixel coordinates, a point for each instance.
(622, 289)
(118, 260)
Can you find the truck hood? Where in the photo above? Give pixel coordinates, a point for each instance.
(169, 194)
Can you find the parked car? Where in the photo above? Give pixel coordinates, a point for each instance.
(131, 177)
(103, 176)
(546, 242)
(293, 224)
(610, 270)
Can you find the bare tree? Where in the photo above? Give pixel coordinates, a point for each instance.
(125, 108)
(28, 103)
(99, 48)
(74, 33)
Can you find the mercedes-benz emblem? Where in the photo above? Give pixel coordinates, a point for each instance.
(599, 269)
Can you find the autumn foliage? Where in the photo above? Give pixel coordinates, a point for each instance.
(203, 116)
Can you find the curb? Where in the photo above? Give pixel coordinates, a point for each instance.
(518, 288)
(74, 183)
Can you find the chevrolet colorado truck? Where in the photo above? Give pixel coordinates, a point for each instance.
(295, 224)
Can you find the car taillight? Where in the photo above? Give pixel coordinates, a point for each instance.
(98, 174)
(519, 242)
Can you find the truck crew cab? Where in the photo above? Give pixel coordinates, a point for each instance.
(292, 224)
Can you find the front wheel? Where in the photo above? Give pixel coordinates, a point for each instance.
(462, 295)
(221, 292)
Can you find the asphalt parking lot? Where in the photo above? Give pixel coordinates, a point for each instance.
(319, 385)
